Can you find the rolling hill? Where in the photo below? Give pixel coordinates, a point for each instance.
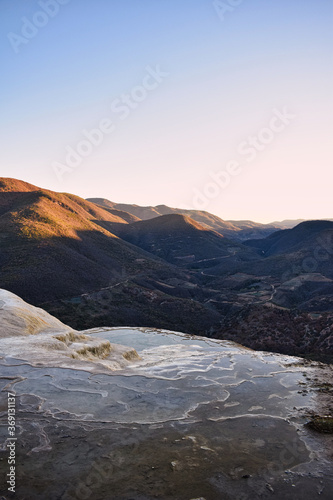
(305, 236)
(304, 255)
(180, 240)
(238, 230)
(55, 251)
(47, 235)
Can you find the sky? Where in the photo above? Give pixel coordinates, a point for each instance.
(222, 106)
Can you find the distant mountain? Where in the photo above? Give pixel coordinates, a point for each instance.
(287, 254)
(288, 223)
(304, 257)
(238, 230)
(248, 229)
(304, 237)
(110, 207)
(179, 239)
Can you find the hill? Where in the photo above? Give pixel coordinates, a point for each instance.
(238, 230)
(55, 251)
(47, 235)
(295, 264)
(305, 235)
(179, 239)
(110, 207)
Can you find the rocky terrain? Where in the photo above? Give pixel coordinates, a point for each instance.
(170, 416)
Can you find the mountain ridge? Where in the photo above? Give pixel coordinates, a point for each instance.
(236, 229)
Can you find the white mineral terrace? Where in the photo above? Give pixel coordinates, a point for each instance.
(171, 416)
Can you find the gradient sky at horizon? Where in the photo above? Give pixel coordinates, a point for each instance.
(225, 79)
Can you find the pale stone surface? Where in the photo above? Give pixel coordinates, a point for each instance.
(189, 418)
(18, 318)
(29, 333)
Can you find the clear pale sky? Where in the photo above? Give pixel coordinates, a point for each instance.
(224, 80)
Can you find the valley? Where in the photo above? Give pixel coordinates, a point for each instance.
(97, 263)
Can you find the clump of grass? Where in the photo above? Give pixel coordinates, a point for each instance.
(70, 337)
(100, 351)
(130, 355)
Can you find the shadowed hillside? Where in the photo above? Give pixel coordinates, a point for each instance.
(179, 240)
(240, 230)
(54, 236)
(55, 251)
(306, 236)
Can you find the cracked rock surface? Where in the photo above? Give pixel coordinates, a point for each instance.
(173, 416)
